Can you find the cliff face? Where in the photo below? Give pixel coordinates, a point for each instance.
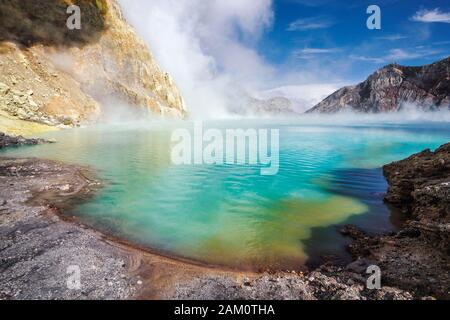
(56, 76)
(389, 88)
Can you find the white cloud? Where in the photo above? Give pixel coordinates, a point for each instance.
(310, 53)
(429, 16)
(368, 59)
(313, 23)
(312, 3)
(316, 50)
(396, 55)
(392, 37)
(400, 54)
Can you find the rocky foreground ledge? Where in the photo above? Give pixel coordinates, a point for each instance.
(38, 245)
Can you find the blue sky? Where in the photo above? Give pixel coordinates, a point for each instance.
(333, 33)
(300, 49)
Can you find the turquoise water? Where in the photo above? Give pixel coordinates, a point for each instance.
(231, 215)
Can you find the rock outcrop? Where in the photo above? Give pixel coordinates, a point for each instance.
(9, 141)
(420, 186)
(393, 87)
(60, 77)
(33, 89)
(417, 258)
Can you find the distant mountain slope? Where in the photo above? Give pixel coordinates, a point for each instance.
(272, 106)
(389, 88)
(256, 107)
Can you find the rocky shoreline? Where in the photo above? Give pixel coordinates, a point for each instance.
(417, 258)
(38, 245)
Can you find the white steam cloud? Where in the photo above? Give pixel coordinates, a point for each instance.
(210, 49)
(302, 96)
(409, 114)
(207, 46)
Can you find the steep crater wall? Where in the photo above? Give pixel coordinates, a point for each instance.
(52, 75)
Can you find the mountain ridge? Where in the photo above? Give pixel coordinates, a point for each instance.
(392, 87)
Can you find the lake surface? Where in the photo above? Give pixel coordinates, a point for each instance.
(232, 215)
